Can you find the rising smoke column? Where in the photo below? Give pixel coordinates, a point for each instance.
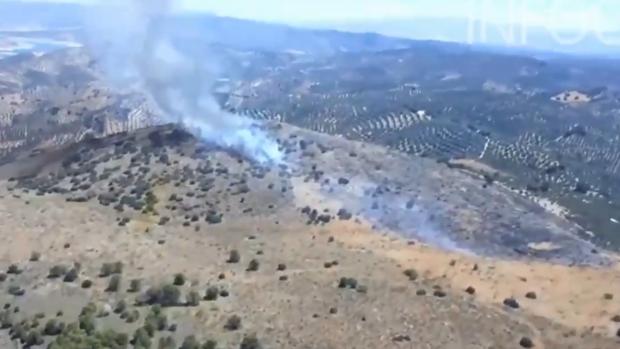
(133, 42)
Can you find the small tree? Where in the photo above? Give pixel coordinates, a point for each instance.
(114, 284)
(211, 294)
(135, 285)
(120, 307)
(234, 257)
(233, 323)
(190, 342)
(71, 276)
(87, 284)
(57, 271)
(141, 339)
(33, 338)
(209, 344)
(167, 343)
(53, 328)
(35, 256)
(14, 269)
(253, 266)
(179, 279)
(250, 342)
(193, 299)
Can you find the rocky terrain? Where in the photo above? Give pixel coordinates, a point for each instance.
(305, 254)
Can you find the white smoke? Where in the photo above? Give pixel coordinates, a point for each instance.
(132, 40)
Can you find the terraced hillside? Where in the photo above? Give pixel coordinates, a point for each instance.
(450, 102)
(56, 99)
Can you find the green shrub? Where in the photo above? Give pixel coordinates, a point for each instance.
(53, 328)
(179, 279)
(167, 343)
(156, 319)
(167, 296)
(209, 344)
(33, 338)
(35, 256)
(87, 284)
(6, 321)
(72, 337)
(16, 291)
(193, 299)
(211, 294)
(250, 342)
(120, 307)
(57, 271)
(132, 316)
(108, 269)
(253, 265)
(14, 269)
(87, 323)
(114, 284)
(71, 275)
(190, 342)
(233, 323)
(135, 285)
(141, 339)
(412, 274)
(234, 257)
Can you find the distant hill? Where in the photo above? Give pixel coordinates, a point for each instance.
(203, 28)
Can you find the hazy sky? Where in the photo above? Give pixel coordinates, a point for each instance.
(575, 14)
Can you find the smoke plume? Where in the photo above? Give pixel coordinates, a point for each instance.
(133, 41)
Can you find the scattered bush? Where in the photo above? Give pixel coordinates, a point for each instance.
(87, 323)
(114, 284)
(14, 270)
(511, 302)
(179, 279)
(347, 283)
(53, 328)
(531, 295)
(193, 299)
(71, 276)
(167, 343)
(525, 342)
(87, 284)
(233, 323)
(120, 307)
(135, 286)
(16, 291)
(209, 344)
(250, 342)
(35, 257)
(167, 296)
(253, 265)
(412, 274)
(281, 267)
(6, 321)
(132, 316)
(141, 339)
(211, 294)
(108, 269)
(57, 271)
(156, 319)
(234, 257)
(190, 342)
(2, 277)
(33, 338)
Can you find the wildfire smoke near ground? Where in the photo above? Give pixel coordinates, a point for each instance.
(174, 179)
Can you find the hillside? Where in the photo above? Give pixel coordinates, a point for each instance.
(319, 263)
